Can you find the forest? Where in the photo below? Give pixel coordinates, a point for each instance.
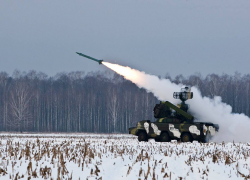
(100, 102)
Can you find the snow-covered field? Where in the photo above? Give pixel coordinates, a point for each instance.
(118, 156)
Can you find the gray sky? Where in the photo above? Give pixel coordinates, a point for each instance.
(158, 37)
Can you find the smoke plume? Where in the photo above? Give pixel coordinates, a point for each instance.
(233, 127)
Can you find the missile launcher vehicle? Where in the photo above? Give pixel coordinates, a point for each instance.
(174, 122)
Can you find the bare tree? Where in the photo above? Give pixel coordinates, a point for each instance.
(20, 116)
(113, 106)
(5, 80)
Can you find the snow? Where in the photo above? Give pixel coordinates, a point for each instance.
(118, 156)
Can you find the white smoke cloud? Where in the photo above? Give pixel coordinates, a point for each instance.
(233, 127)
(162, 88)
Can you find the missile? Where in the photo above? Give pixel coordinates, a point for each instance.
(80, 54)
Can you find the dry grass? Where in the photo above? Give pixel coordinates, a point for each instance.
(52, 157)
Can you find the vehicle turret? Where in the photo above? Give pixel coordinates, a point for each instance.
(165, 109)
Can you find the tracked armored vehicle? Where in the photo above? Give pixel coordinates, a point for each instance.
(174, 122)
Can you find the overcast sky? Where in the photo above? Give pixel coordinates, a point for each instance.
(156, 36)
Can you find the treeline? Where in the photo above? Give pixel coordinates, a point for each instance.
(96, 102)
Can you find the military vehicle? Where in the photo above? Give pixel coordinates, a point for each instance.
(174, 122)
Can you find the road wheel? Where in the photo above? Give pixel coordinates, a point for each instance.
(142, 136)
(165, 137)
(186, 137)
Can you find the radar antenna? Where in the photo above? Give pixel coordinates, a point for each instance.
(184, 95)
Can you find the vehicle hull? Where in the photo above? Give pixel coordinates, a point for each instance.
(198, 131)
